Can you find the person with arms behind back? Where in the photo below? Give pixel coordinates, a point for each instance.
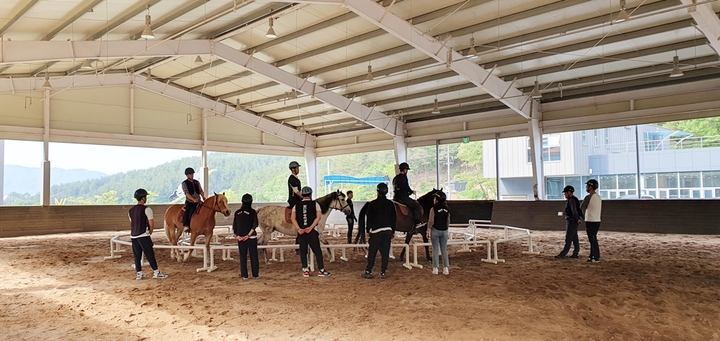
(381, 221)
(141, 227)
(244, 225)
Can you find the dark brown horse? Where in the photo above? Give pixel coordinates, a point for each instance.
(405, 221)
(202, 223)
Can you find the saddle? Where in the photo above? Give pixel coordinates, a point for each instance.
(181, 213)
(288, 215)
(402, 208)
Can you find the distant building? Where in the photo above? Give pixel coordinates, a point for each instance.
(673, 164)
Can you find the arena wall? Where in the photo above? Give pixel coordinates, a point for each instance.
(644, 216)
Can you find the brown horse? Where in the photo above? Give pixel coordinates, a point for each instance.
(405, 221)
(202, 223)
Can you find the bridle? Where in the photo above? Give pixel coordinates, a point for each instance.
(335, 205)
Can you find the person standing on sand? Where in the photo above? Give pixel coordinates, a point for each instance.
(592, 206)
(573, 214)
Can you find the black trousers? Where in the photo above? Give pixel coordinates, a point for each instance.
(311, 239)
(379, 242)
(245, 247)
(571, 237)
(350, 223)
(190, 208)
(413, 205)
(143, 245)
(592, 231)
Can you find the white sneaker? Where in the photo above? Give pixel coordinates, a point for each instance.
(140, 276)
(446, 271)
(435, 271)
(159, 275)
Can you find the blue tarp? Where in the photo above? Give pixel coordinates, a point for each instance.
(343, 179)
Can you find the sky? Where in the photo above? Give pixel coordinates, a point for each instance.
(106, 159)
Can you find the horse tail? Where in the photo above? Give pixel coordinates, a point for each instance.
(361, 219)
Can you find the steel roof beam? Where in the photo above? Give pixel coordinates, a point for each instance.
(707, 22)
(376, 119)
(18, 15)
(502, 62)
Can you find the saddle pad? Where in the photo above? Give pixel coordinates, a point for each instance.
(404, 210)
(288, 215)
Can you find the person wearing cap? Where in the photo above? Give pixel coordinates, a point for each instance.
(381, 222)
(573, 214)
(244, 224)
(592, 206)
(141, 227)
(305, 217)
(193, 192)
(402, 192)
(438, 224)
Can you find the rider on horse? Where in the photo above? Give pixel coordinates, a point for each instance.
(193, 192)
(402, 193)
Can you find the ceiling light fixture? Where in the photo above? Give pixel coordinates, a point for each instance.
(149, 76)
(448, 59)
(535, 93)
(435, 109)
(369, 73)
(623, 15)
(270, 32)
(47, 85)
(676, 72)
(147, 33)
(358, 123)
(199, 60)
(472, 52)
(86, 65)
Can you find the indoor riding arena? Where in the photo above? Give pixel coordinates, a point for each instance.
(512, 108)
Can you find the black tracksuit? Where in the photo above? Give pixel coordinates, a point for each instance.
(138, 226)
(305, 214)
(193, 187)
(293, 199)
(244, 224)
(381, 222)
(572, 215)
(350, 218)
(402, 192)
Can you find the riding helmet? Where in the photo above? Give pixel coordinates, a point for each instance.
(246, 199)
(404, 165)
(189, 170)
(440, 195)
(140, 193)
(569, 188)
(294, 164)
(306, 191)
(382, 188)
(592, 183)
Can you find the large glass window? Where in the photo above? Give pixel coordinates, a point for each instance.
(262, 176)
(468, 180)
(424, 165)
(667, 180)
(106, 175)
(359, 167)
(20, 161)
(627, 181)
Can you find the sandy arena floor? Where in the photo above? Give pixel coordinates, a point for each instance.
(647, 287)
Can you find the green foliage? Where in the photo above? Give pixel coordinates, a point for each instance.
(698, 127)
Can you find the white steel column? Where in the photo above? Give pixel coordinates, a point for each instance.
(707, 22)
(45, 189)
(2, 170)
(400, 151)
(311, 169)
(536, 151)
(132, 108)
(204, 154)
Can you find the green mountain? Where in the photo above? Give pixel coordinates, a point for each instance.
(21, 179)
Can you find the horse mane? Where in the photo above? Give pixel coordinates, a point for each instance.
(324, 201)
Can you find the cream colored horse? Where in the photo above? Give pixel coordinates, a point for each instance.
(272, 218)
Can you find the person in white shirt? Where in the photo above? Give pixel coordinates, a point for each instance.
(141, 227)
(592, 206)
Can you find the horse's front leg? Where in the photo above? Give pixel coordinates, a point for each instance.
(193, 237)
(325, 242)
